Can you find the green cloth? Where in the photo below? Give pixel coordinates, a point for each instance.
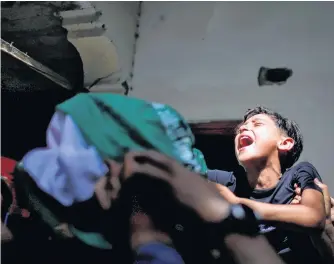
(91, 238)
(201, 160)
(115, 124)
(45, 213)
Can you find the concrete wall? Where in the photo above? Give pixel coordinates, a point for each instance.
(104, 35)
(203, 58)
(120, 19)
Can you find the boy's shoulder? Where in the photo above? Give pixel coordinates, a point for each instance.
(225, 178)
(220, 176)
(303, 173)
(303, 166)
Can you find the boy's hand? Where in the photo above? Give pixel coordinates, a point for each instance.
(332, 209)
(329, 202)
(108, 187)
(298, 198)
(227, 194)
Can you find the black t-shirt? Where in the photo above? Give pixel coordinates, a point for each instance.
(292, 246)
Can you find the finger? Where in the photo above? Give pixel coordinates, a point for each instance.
(332, 201)
(107, 188)
(115, 169)
(294, 201)
(324, 189)
(319, 183)
(153, 171)
(152, 154)
(131, 167)
(153, 157)
(298, 191)
(295, 186)
(222, 189)
(102, 193)
(226, 193)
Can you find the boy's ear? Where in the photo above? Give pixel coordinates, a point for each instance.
(286, 144)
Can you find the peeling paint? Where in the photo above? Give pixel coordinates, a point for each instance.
(98, 53)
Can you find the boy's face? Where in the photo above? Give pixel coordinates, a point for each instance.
(259, 139)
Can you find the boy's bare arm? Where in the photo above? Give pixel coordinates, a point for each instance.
(310, 213)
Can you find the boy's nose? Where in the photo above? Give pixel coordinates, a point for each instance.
(244, 128)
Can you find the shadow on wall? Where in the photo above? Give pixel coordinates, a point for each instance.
(218, 151)
(216, 140)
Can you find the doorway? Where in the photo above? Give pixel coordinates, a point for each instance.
(216, 141)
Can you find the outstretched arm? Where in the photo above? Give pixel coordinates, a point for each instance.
(194, 192)
(310, 213)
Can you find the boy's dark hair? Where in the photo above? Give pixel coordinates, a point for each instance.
(289, 127)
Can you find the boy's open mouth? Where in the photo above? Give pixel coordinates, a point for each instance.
(245, 141)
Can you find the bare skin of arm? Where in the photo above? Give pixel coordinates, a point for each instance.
(244, 249)
(309, 214)
(325, 242)
(192, 190)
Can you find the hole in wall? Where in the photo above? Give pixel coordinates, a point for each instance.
(271, 76)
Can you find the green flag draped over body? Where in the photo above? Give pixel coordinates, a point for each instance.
(201, 160)
(115, 124)
(90, 128)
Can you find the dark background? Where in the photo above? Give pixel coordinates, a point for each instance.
(218, 151)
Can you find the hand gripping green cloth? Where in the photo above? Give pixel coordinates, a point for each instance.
(115, 124)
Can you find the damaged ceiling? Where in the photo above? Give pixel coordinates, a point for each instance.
(28, 98)
(34, 28)
(67, 38)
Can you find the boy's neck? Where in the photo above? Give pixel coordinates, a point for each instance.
(264, 175)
